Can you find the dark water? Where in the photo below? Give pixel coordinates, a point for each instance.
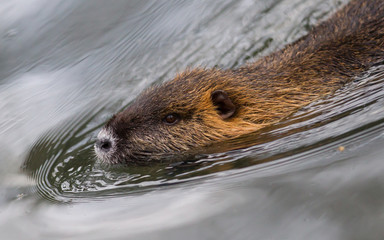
(67, 66)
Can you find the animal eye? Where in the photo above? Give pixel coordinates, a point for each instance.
(171, 118)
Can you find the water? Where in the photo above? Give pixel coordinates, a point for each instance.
(66, 67)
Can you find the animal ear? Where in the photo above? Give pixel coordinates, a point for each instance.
(224, 105)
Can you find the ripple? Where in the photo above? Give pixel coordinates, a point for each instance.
(64, 167)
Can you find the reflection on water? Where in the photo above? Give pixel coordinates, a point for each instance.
(66, 67)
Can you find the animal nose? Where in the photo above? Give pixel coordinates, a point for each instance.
(104, 144)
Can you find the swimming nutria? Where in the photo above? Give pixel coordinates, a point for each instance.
(204, 106)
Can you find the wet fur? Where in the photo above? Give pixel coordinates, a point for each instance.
(264, 91)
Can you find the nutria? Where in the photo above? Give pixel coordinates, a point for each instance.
(204, 106)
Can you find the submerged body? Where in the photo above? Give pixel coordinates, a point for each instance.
(200, 107)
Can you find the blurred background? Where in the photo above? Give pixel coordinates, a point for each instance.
(67, 66)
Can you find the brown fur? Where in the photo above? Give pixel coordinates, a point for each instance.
(264, 92)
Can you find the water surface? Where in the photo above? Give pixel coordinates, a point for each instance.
(67, 66)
